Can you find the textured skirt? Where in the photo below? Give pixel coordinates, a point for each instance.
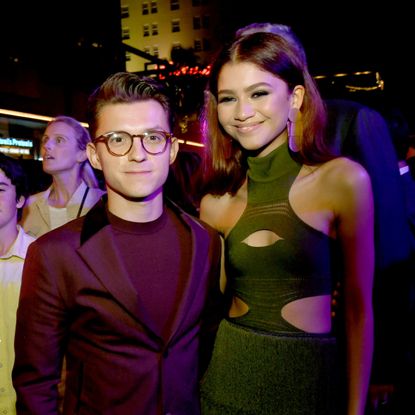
(254, 373)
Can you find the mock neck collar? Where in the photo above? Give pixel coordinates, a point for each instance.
(275, 164)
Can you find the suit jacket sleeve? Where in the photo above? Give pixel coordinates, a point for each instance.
(39, 340)
(215, 305)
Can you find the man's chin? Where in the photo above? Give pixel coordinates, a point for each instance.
(139, 196)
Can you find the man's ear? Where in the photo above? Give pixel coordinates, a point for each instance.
(20, 202)
(174, 149)
(93, 157)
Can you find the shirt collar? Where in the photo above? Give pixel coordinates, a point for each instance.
(20, 245)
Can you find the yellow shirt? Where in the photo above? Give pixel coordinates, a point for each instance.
(11, 267)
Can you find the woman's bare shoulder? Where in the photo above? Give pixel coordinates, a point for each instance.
(348, 184)
(222, 212)
(212, 208)
(343, 172)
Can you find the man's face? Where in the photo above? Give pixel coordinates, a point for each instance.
(136, 175)
(8, 203)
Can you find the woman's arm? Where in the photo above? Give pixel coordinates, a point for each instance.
(39, 336)
(355, 217)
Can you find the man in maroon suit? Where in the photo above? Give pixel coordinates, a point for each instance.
(128, 294)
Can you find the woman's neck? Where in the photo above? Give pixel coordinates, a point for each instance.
(270, 147)
(63, 188)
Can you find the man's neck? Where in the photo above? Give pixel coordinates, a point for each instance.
(135, 210)
(8, 235)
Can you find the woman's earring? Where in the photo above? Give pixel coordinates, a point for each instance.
(295, 129)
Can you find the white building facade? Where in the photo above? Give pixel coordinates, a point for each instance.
(157, 26)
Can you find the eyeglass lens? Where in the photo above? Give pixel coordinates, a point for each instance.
(121, 142)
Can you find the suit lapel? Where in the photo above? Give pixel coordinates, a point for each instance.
(97, 237)
(200, 244)
(100, 253)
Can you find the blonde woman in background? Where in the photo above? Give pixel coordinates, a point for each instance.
(74, 189)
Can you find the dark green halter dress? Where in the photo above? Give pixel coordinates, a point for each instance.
(262, 364)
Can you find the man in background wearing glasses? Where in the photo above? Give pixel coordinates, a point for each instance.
(129, 293)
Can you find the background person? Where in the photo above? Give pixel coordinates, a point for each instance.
(74, 189)
(13, 246)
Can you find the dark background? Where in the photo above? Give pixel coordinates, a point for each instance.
(345, 36)
(53, 54)
(340, 34)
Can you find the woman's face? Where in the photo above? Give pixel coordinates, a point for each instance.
(60, 150)
(253, 106)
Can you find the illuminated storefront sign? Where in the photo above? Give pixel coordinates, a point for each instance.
(11, 145)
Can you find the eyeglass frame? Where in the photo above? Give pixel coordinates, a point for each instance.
(103, 138)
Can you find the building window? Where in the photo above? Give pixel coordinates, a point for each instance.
(207, 46)
(174, 4)
(154, 29)
(198, 45)
(147, 49)
(125, 12)
(127, 56)
(176, 45)
(196, 23)
(125, 33)
(156, 51)
(175, 26)
(154, 7)
(144, 8)
(146, 30)
(206, 21)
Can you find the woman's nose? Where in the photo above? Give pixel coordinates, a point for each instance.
(47, 144)
(244, 110)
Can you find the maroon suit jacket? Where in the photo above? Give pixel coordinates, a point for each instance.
(77, 300)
